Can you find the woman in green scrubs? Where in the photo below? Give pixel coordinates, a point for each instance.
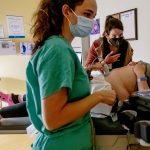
(58, 91)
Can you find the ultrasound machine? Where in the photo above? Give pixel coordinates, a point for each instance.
(132, 127)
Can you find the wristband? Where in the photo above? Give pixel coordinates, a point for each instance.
(143, 78)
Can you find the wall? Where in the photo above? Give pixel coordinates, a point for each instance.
(12, 85)
(12, 73)
(23, 8)
(14, 66)
(141, 46)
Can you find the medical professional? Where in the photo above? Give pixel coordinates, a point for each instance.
(58, 91)
(111, 48)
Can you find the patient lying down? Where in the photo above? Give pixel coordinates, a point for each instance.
(124, 81)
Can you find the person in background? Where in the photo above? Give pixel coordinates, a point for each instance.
(12, 98)
(58, 90)
(111, 49)
(16, 105)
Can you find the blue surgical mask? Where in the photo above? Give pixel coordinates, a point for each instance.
(82, 28)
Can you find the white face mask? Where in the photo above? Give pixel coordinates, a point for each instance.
(82, 28)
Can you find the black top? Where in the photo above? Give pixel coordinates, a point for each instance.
(122, 51)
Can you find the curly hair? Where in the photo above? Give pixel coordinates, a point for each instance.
(48, 19)
(112, 23)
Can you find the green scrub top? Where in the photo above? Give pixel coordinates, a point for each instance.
(53, 66)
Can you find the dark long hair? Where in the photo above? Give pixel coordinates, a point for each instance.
(112, 23)
(48, 19)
